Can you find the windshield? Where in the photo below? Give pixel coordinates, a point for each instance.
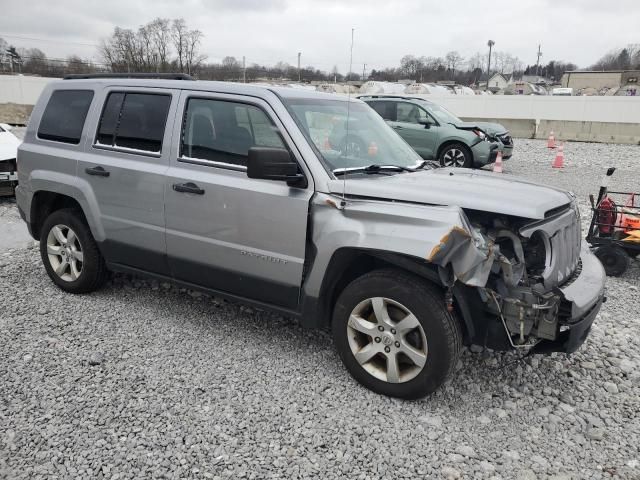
(442, 114)
(366, 140)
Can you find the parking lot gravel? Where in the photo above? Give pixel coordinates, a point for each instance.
(142, 379)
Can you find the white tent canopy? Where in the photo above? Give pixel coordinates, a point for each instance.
(372, 87)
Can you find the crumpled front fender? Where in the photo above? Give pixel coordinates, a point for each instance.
(441, 235)
(469, 254)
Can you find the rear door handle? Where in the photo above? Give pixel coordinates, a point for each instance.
(97, 171)
(188, 187)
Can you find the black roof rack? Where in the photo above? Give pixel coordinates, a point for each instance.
(392, 95)
(163, 76)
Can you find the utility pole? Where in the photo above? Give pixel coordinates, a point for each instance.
(490, 44)
(244, 69)
(538, 62)
(299, 77)
(364, 69)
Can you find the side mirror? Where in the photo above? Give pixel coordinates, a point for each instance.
(268, 163)
(425, 121)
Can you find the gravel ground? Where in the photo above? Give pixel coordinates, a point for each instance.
(147, 380)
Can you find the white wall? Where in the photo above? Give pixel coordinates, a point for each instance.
(581, 109)
(23, 90)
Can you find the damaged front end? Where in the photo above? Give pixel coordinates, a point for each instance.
(528, 276)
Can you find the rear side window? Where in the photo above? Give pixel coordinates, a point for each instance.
(224, 131)
(386, 110)
(64, 116)
(134, 121)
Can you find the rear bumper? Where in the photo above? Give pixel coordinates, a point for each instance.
(23, 200)
(581, 302)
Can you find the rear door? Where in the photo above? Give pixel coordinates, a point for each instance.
(225, 231)
(125, 167)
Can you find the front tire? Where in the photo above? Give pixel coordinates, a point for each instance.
(70, 254)
(394, 334)
(456, 155)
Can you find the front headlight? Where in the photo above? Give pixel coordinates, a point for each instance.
(480, 134)
(537, 253)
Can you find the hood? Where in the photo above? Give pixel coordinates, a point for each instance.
(487, 127)
(465, 188)
(8, 146)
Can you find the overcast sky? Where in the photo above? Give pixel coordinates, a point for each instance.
(267, 31)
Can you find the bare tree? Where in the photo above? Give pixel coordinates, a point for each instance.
(35, 61)
(499, 61)
(453, 60)
(192, 56)
(160, 32)
(4, 59)
(179, 33)
(410, 66)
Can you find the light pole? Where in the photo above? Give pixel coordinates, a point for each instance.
(490, 44)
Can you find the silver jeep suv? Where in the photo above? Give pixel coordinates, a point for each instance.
(254, 194)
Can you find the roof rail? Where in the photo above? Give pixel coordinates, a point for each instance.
(391, 95)
(163, 76)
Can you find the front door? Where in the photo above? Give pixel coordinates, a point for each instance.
(225, 231)
(409, 125)
(124, 168)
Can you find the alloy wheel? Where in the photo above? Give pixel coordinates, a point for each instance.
(387, 340)
(454, 157)
(65, 252)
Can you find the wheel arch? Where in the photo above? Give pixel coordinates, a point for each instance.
(452, 141)
(53, 191)
(349, 263)
(45, 202)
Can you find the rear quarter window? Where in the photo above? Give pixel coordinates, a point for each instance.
(64, 116)
(134, 121)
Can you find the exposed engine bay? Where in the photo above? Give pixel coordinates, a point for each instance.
(516, 265)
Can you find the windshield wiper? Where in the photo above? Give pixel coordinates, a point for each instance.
(429, 164)
(371, 169)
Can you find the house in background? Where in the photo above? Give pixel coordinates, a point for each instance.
(498, 82)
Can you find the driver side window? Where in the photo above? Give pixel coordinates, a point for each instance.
(410, 113)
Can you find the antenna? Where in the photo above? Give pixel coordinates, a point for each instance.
(346, 138)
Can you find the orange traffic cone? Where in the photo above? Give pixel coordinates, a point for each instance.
(551, 143)
(326, 145)
(559, 161)
(497, 166)
(373, 149)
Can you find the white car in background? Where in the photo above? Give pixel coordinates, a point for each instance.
(8, 167)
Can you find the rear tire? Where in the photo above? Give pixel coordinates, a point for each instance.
(614, 259)
(456, 155)
(70, 254)
(394, 334)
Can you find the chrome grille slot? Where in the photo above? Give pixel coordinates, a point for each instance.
(564, 234)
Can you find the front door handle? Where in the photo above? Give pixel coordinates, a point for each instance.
(188, 187)
(97, 171)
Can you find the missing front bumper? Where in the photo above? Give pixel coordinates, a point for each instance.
(582, 299)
